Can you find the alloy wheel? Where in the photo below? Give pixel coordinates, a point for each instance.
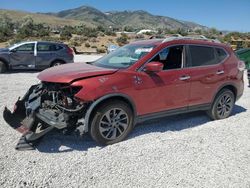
(113, 123)
(225, 105)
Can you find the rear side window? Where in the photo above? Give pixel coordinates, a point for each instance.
(221, 54)
(47, 47)
(58, 47)
(202, 55)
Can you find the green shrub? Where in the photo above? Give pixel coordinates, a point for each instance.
(123, 39)
(101, 50)
(87, 45)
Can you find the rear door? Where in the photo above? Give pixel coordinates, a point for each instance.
(23, 57)
(206, 73)
(46, 53)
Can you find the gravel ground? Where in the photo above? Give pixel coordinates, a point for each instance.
(181, 151)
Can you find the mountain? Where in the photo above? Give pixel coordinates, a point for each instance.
(86, 14)
(143, 19)
(93, 17)
(51, 20)
(135, 19)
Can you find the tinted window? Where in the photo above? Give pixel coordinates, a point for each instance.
(25, 48)
(58, 47)
(202, 56)
(48, 47)
(221, 54)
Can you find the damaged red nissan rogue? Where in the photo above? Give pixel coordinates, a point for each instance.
(139, 81)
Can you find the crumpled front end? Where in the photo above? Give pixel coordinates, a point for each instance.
(44, 107)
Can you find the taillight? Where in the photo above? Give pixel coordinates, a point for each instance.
(70, 51)
(241, 65)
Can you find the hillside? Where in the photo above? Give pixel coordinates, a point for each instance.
(38, 18)
(93, 17)
(85, 14)
(143, 19)
(135, 19)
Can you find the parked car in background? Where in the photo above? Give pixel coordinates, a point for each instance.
(137, 82)
(34, 55)
(244, 55)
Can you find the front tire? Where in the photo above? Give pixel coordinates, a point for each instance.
(3, 67)
(223, 105)
(112, 122)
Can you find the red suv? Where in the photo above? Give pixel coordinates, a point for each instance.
(140, 81)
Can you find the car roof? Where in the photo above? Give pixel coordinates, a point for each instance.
(28, 42)
(148, 42)
(182, 40)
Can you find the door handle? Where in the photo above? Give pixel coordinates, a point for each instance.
(220, 72)
(182, 78)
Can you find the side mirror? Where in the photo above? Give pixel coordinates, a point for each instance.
(153, 67)
(13, 50)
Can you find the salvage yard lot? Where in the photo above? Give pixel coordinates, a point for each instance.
(180, 151)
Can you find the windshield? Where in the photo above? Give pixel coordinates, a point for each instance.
(14, 45)
(125, 56)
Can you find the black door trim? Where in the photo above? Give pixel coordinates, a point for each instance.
(161, 114)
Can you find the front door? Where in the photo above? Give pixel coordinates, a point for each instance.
(165, 90)
(22, 57)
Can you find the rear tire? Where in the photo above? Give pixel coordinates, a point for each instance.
(223, 105)
(3, 67)
(111, 122)
(56, 63)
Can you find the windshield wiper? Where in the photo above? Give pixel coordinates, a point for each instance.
(91, 62)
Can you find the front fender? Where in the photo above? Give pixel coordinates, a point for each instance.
(103, 98)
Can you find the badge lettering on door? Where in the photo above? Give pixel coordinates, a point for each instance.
(137, 80)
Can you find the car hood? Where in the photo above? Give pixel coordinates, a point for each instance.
(70, 72)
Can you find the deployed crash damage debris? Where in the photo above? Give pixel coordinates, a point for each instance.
(44, 107)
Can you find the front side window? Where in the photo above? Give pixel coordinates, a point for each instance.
(125, 56)
(171, 57)
(26, 48)
(202, 55)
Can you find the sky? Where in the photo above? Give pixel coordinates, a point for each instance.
(228, 15)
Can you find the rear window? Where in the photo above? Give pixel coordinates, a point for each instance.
(202, 55)
(221, 54)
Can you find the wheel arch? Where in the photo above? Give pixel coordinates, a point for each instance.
(229, 86)
(5, 62)
(55, 60)
(100, 101)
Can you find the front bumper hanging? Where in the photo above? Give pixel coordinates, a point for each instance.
(27, 125)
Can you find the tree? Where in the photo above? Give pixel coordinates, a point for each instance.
(27, 27)
(123, 39)
(128, 29)
(6, 28)
(40, 30)
(66, 33)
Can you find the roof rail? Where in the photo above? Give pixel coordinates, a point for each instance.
(200, 37)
